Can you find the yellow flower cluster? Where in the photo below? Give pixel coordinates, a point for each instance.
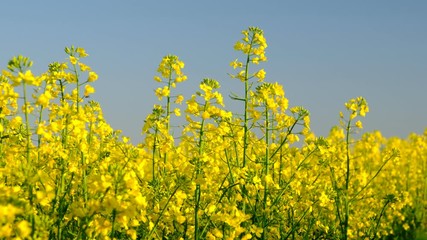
(260, 174)
(252, 45)
(170, 68)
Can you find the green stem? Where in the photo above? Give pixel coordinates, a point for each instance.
(168, 100)
(245, 124)
(168, 103)
(60, 192)
(114, 214)
(64, 132)
(230, 172)
(27, 125)
(379, 218)
(27, 156)
(77, 87)
(85, 191)
(266, 168)
(162, 212)
(337, 198)
(38, 136)
(280, 163)
(285, 139)
(370, 180)
(198, 169)
(154, 155)
(347, 181)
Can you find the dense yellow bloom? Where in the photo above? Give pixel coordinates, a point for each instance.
(66, 173)
(170, 66)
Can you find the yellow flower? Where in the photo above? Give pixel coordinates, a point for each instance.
(353, 115)
(73, 60)
(256, 180)
(177, 112)
(92, 77)
(43, 99)
(16, 122)
(359, 124)
(157, 79)
(141, 200)
(179, 99)
(180, 219)
(260, 75)
(307, 121)
(206, 115)
(24, 229)
(236, 64)
(217, 233)
(255, 60)
(181, 78)
(324, 199)
(162, 92)
(29, 78)
(193, 107)
(247, 236)
(170, 64)
(132, 233)
(27, 108)
(363, 110)
(84, 67)
(406, 226)
(89, 90)
(239, 46)
(82, 53)
(150, 225)
(6, 230)
(293, 138)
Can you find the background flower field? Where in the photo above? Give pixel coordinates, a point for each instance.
(202, 171)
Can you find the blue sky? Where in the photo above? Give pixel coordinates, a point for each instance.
(323, 52)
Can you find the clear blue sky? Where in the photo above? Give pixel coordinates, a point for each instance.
(323, 52)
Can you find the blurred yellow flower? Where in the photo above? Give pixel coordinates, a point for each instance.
(92, 77)
(88, 90)
(73, 60)
(82, 53)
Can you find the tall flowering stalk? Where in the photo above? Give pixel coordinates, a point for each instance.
(170, 69)
(20, 65)
(252, 45)
(205, 110)
(356, 107)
